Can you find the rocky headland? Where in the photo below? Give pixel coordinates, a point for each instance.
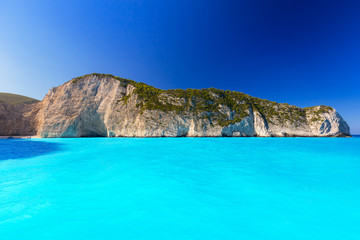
(102, 105)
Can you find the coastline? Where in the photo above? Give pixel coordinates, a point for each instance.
(290, 136)
(18, 137)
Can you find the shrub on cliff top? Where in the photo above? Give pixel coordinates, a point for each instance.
(205, 103)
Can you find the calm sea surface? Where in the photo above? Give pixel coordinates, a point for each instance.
(180, 188)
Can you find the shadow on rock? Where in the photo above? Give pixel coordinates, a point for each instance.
(19, 148)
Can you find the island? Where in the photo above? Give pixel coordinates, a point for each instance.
(103, 105)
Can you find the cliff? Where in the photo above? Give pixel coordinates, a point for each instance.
(104, 105)
(18, 119)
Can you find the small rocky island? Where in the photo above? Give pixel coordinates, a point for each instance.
(102, 105)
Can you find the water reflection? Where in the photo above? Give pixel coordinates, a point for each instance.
(23, 148)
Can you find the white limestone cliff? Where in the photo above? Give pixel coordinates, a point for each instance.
(102, 105)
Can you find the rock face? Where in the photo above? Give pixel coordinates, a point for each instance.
(108, 106)
(18, 119)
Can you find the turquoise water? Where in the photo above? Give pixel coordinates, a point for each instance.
(180, 188)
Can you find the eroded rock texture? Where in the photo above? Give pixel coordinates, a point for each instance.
(108, 106)
(18, 119)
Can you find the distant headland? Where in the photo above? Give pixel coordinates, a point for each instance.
(102, 105)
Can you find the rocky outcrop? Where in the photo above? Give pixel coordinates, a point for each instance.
(18, 119)
(108, 106)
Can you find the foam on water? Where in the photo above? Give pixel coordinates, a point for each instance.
(180, 188)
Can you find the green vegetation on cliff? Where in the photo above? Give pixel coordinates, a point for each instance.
(209, 103)
(101, 75)
(203, 103)
(16, 99)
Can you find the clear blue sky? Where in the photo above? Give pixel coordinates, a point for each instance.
(296, 51)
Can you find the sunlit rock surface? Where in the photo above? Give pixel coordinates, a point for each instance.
(107, 106)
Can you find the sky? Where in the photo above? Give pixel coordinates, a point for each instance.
(301, 52)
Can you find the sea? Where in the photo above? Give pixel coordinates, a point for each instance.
(180, 188)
